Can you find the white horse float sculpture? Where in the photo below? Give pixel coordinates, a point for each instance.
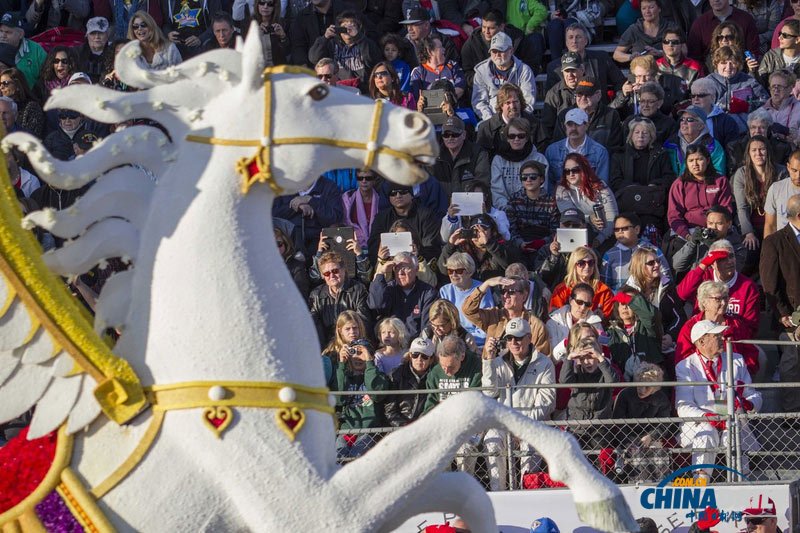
(212, 324)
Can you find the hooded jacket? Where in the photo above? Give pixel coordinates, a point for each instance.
(721, 126)
(558, 327)
(742, 86)
(589, 404)
(402, 409)
(676, 148)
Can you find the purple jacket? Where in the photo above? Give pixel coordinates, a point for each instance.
(689, 200)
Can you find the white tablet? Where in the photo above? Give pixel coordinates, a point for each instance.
(570, 239)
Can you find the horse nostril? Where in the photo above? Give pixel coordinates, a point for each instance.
(417, 123)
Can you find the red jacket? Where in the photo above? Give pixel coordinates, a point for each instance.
(744, 297)
(601, 302)
(737, 330)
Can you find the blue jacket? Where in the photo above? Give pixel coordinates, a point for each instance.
(678, 159)
(557, 152)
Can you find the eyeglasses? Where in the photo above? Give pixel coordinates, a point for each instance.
(573, 170)
(324, 76)
(399, 192)
(673, 42)
(718, 298)
(585, 262)
(649, 102)
(622, 228)
(651, 263)
(700, 95)
(688, 120)
(785, 35)
(450, 135)
(530, 176)
(417, 355)
(139, 26)
(515, 136)
(61, 60)
(582, 303)
(456, 271)
(381, 74)
(331, 272)
(725, 37)
(771, 87)
(365, 178)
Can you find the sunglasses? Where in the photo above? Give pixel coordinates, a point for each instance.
(700, 95)
(582, 303)
(585, 262)
(268, 4)
(6, 83)
(530, 176)
(688, 120)
(754, 521)
(517, 136)
(450, 135)
(399, 192)
(651, 263)
(622, 228)
(673, 42)
(324, 76)
(785, 35)
(457, 271)
(725, 37)
(331, 272)
(417, 355)
(573, 170)
(61, 60)
(365, 178)
(511, 291)
(381, 74)
(139, 26)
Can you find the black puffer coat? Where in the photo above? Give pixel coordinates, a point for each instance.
(402, 409)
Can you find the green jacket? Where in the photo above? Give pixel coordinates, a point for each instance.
(469, 375)
(359, 411)
(646, 338)
(526, 15)
(30, 58)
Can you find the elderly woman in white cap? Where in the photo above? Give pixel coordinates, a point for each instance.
(708, 363)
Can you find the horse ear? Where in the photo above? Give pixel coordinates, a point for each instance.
(252, 58)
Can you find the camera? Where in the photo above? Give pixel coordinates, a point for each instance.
(502, 344)
(352, 350)
(340, 29)
(708, 233)
(267, 29)
(468, 233)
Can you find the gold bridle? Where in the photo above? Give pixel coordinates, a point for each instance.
(262, 157)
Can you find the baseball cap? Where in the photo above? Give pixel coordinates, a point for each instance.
(8, 54)
(571, 60)
(694, 110)
(761, 506)
(453, 124)
(96, 24)
(587, 87)
(544, 525)
(414, 13)
(11, 19)
(79, 76)
(517, 327)
(705, 327)
(420, 345)
(572, 215)
(578, 116)
(500, 42)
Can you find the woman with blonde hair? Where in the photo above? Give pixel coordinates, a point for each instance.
(393, 342)
(444, 320)
(583, 267)
(158, 51)
(349, 327)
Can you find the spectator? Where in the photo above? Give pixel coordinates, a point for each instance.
(791, 9)
(785, 56)
(295, 265)
(761, 516)
(736, 92)
(759, 122)
(578, 310)
(767, 15)
(434, 66)
(313, 22)
(605, 126)
(562, 95)
(224, 30)
(719, 225)
(460, 269)
(643, 70)
(71, 126)
(418, 26)
(699, 41)
(707, 362)
(363, 267)
(493, 320)
(776, 215)
(391, 43)
(404, 297)
(549, 263)
(615, 269)
(357, 373)
(188, 24)
(349, 328)
(420, 218)
(712, 300)
(583, 267)
(651, 98)
(532, 213)
(328, 72)
(20, 178)
(412, 374)
(674, 60)
(339, 293)
(119, 15)
(484, 244)
(581, 189)
(699, 187)
(158, 52)
(58, 66)
(510, 104)
(506, 164)
(634, 332)
(443, 320)
(29, 115)
(597, 64)
(456, 368)
(781, 284)
(646, 277)
(578, 143)
(393, 345)
(586, 14)
(360, 206)
(427, 266)
(43, 15)
(729, 33)
(502, 67)
(451, 222)
(645, 36)
(720, 125)
(30, 55)
(352, 50)
(95, 52)
(782, 105)
(518, 364)
(460, 160)
(317, 207)
(538, 295)
(272, 30)
(750, 186)
(384, 83)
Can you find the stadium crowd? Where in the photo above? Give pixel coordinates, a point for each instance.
(625, 224)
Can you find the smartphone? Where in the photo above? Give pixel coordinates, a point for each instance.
(748, 55)
(468, 233)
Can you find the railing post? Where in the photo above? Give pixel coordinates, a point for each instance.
(731, 422)
(510, 457)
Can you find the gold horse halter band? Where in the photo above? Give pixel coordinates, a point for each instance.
(262, 158)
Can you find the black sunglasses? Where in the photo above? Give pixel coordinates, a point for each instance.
(673, 42)
(365, 178)
(59, 60)
(514, 136)
(267, 3)
(450, 135)
(6, 83)
(68, 114)
(725, 37)
(417, 355)
(139, 26)
(399, 192)
(529, 176)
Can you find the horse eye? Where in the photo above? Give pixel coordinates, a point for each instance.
(318, 92)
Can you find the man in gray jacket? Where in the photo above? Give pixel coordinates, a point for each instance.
(501, 67)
